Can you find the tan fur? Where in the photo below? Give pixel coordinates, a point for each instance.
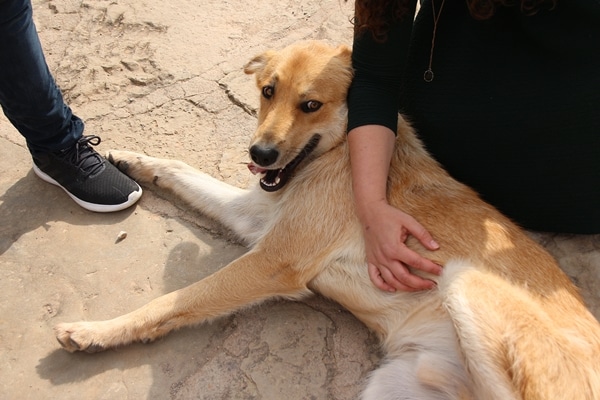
(504, 322)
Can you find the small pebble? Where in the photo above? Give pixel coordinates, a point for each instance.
(122, 235)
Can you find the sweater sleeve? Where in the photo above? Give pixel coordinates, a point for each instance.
(378, 68)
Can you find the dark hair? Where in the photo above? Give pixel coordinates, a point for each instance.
(375, 15)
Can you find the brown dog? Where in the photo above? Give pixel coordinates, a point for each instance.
(504, 322)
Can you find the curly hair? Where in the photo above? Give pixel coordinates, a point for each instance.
(375, 15)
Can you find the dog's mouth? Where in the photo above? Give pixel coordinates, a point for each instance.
(275, 179)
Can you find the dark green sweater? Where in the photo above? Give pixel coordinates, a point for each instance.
(513, 110)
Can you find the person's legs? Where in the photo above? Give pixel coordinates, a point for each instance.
(34, 105)
(28, 94)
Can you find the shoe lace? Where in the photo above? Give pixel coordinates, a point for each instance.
(84, 156)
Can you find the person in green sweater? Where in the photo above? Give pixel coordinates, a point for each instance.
(504, 94)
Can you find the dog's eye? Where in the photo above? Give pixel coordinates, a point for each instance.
(267, 91)
(311, 106)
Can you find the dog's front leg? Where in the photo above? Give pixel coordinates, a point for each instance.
(242, 211)
(248, 280)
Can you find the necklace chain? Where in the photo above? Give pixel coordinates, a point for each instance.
(428, 75)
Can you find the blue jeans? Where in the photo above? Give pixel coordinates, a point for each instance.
(29, 96)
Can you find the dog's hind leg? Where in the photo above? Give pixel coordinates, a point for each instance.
(239, 210)
(248, 280)
(513, 348)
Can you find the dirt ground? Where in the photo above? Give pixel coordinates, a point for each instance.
(166, 79)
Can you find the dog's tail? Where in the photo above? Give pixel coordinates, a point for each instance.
(512, 347)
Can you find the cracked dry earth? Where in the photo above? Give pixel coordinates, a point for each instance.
(165, 79)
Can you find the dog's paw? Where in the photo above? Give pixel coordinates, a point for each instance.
(79, 336)
(123, 159)
(137, 166)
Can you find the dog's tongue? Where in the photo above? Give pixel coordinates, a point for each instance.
(255, 169)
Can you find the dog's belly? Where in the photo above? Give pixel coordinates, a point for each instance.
(415, 329)
(348, 284)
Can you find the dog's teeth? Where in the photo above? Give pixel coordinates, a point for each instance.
(270, 184)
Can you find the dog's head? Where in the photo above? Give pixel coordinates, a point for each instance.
(302, 108)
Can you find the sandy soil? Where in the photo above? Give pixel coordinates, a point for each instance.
(166, 79)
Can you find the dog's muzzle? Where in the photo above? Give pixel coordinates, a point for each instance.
(275, 179)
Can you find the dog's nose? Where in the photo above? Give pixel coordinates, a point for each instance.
(263, 156)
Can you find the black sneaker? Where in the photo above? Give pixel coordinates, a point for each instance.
(90, 180)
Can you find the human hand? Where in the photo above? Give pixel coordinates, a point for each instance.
(385, 230)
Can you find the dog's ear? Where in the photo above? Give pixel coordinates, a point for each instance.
(259, 62)
(345, 54)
